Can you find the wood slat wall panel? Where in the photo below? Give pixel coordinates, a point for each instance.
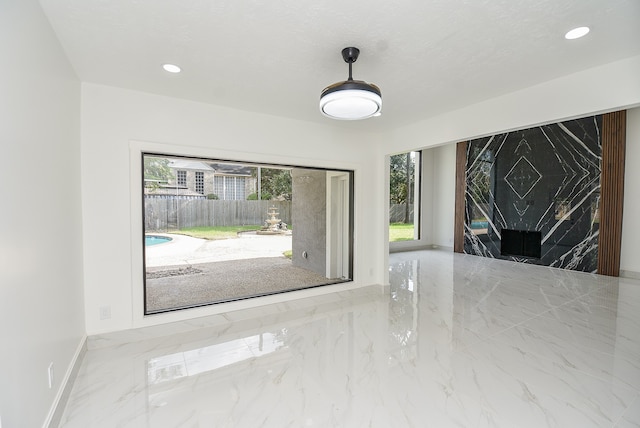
(614, 126)
(461, 186)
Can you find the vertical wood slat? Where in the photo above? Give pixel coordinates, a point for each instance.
(612, 192)
(461, 187)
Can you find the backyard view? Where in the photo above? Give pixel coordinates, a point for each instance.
(403, 195)
(217, 231)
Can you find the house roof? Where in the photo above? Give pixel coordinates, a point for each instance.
(218, 168)
(231, 169)
(172, 191)
(428, 57)
(189, 164)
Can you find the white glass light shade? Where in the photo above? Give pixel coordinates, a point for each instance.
(350, 104)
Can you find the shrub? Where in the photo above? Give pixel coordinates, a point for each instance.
(254, 196)
(212, 196)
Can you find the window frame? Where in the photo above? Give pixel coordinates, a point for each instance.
(417, 201)
(351, 227)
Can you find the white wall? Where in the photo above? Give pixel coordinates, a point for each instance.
(427, 199)
(41, 292)
(117, 124)
(444, 195)
(630, 256)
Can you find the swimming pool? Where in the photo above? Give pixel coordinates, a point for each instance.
(478, 224)
(150, 240)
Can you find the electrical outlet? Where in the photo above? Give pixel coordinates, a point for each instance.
(105, 312)
(50, 373)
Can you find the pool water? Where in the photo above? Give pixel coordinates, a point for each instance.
(479, 224)
(155, 240)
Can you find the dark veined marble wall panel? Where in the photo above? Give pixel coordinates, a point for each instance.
(544, 179)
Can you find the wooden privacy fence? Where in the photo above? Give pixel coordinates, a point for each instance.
(397, 213)
(174, 214)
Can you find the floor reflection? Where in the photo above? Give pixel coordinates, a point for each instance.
(194, 362)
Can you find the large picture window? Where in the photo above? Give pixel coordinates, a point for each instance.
(257, 230)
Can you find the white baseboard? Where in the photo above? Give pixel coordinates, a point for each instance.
(397, 249)
(59, 403)
(442, 248)
(629, 274)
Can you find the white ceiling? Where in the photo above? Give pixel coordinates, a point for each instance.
(275, 57)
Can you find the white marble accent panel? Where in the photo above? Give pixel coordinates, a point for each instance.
(459, 341)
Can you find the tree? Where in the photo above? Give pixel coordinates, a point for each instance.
(156, 171)
(275, 183)
(402, 180)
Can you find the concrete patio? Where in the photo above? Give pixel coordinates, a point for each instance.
(187, 250)
(188, 272)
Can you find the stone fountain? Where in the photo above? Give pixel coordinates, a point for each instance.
(273, 225)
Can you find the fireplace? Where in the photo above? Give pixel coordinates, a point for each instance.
(521, 243)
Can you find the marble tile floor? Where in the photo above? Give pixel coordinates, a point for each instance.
(460, 341)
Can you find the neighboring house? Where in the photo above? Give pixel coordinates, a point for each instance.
(195, 180)
(232, 182)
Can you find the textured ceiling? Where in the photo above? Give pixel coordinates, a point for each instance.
(275, 57)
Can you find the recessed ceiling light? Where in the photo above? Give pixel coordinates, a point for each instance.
(576, 33)
(171, 68)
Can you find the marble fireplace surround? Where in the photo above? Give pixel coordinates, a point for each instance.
(564, 180)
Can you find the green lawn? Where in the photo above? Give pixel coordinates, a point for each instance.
(220, 232)
(397, 231)
(400, 232)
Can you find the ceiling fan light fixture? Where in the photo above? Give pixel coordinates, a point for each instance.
(348, 103)
(351, 99)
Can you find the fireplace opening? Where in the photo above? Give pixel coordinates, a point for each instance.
(524, 243)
